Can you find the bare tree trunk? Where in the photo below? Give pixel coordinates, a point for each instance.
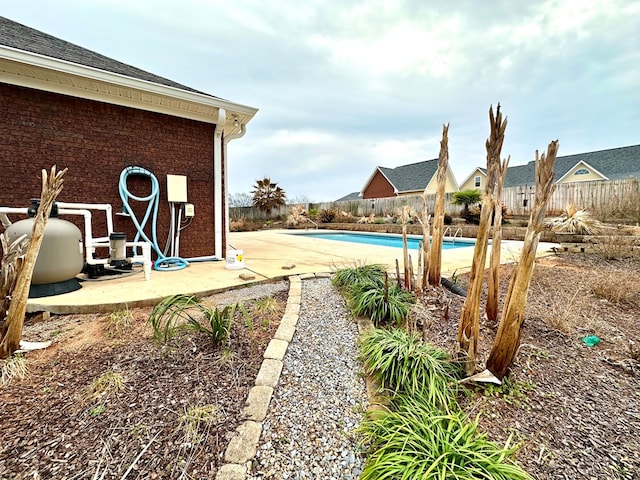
(10, 267)
(435, 263)
(493, 294)
(507, 339)
(469, 326)
(405, 250)
(426, 244)
(51, 188)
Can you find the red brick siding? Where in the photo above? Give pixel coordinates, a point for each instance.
(96, 141)
(379, 187)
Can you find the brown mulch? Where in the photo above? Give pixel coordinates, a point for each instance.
(574, 409)
(54, 426)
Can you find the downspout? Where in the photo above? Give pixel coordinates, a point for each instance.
(227, 139)
(217, 184)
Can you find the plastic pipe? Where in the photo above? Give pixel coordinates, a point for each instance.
(106, 207)
(4, 210)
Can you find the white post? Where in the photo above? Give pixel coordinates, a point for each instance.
(217, 184)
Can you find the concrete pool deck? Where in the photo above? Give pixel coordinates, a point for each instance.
(267, 256)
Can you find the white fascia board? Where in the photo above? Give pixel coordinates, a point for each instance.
(123, 81)
(584, 164)
(473, 174)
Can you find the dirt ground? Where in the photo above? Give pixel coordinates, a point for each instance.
(574, 409)
(64, 422)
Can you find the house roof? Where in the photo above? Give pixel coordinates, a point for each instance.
(410, 178)
(614, 163)
(31, 58)
(349, 197)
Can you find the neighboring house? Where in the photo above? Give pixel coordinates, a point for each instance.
(63, 104)
(411, 179)
(350, 197)
(477, 180)
(612, 164)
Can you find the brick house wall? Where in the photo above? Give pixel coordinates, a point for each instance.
(379, 187)
(96, 141)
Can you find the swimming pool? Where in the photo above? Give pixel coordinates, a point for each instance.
(384, 239)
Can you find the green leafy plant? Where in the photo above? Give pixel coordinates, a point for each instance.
(510, 391)
(216, 324)
(183, 312)
(466, 198)
(414, 440)
(346, 277)
(400, 362)
(381, 303)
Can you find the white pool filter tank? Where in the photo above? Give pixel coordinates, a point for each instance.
(60, 257)
(235, 260)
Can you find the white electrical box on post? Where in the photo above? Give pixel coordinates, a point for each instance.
(177, 188)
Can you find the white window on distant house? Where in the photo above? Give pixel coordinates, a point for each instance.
(582, 171)
(476, 181)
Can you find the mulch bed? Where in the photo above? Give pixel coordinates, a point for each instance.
(574, 409)
(54, 428)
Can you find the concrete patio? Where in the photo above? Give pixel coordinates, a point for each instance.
(265, 255)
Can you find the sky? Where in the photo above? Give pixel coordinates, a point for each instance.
(344, 86)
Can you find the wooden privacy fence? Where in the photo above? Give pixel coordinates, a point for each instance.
(607, 200)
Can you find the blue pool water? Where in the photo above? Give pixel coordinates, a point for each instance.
(384, 240)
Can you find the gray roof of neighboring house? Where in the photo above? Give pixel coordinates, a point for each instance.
(412, 177)
(614, 163)
(21, 37)
(351, 196)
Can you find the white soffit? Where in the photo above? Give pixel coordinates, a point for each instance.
(52, 75)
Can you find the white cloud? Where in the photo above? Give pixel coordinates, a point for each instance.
(345, 86)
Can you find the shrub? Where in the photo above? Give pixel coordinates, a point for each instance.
(326, 215)
(402, 363)
(182, 312)
(575, 220)
(414, 440)
(379, 302)
(347, 276)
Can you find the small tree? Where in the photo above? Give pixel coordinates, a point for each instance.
(507, 339)
(267, 195)
(469, 326)
(19, 274)
(466, 198)
(435, 262)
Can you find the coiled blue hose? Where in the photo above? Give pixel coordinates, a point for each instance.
(163, 262)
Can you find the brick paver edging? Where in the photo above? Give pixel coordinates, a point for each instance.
(244, 444)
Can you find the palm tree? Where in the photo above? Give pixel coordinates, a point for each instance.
(466, 198)
(267, 195)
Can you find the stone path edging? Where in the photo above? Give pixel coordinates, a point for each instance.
(243, 445)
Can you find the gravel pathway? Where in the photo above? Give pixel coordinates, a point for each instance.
(320, 398)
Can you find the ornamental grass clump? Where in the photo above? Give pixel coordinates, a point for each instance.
(575, 220)
(415, 440)
(423, 433)
(401, 363)
(345, 277)
(186, 313)
(381, 303)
